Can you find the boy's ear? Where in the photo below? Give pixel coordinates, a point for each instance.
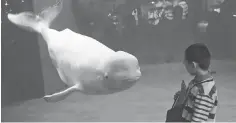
(194, 64)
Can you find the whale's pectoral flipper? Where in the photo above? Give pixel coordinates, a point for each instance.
(62, 94)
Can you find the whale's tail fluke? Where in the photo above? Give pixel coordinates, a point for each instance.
(36, 22)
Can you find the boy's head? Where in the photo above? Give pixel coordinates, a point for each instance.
(197, 58)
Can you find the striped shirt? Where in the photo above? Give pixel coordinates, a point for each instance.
(201, 103)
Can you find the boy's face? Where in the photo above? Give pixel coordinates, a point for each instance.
(190, 67)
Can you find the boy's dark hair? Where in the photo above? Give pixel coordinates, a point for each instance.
(200, 54)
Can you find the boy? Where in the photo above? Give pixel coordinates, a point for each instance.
(201, 97)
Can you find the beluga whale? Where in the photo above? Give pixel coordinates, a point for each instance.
(83, 63)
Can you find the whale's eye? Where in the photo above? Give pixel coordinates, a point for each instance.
(106, 76)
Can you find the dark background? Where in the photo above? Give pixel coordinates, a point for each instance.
(27, 71)
(21, 68)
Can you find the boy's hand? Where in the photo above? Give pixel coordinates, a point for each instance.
(176, 95)
(183, 88)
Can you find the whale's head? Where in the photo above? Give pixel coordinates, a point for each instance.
(122, 71)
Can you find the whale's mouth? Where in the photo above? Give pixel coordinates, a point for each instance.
(133, 79)
(122, 84)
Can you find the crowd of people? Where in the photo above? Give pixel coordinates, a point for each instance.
(155, 11)
(152, 12)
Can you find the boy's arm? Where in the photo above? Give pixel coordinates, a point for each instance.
(202, 106)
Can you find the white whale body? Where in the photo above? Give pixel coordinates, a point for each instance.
(83, 63)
